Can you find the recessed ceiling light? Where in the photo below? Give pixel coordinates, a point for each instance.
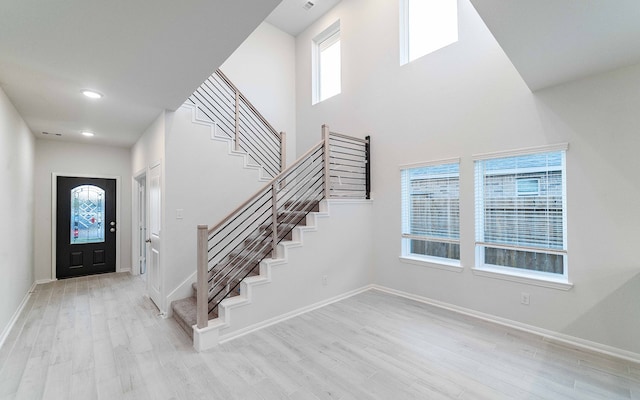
(87, 133)
(92, 94)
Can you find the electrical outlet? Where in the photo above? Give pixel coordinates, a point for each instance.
(324, 280)
(525, 298)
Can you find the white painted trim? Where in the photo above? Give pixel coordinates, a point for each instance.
(213, 126)
(432, 263)
(135, 208)
(349, 201)
(54, 193)
(530, 279)
(16, 315)
(183, 290)
(291, 314)
(545, 334)
(455, 160)
(43, 281)
(520, 152)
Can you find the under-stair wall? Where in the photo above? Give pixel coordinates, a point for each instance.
(205, 180)
(327, 260)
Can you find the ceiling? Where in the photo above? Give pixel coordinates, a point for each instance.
(293, 17)
(145, 59)
(143, 56)
(555, 41)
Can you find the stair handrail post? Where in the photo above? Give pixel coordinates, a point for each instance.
(283, 151)
(202, 304)
(237, 121)
(274, 218)
(325, 137)
(367, 167)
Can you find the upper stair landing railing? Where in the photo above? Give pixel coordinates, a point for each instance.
(220, 102)
(336, 167)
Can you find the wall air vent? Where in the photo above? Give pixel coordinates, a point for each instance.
(308, 5)
(53, 134)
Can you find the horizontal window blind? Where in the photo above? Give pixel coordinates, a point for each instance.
(431, 202)
(520, 201)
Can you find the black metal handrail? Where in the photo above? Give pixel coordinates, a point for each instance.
(336, 167)
(219, 101)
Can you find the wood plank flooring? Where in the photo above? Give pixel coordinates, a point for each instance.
(100, 337)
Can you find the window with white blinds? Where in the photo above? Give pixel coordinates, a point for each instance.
(430, 211)
(520, 212)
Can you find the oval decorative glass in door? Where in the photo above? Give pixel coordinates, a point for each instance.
(87, 214)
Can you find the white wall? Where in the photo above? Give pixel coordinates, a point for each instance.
(466, 99)
(69, 158)
(263, 68)
(204, 181)
(339, 250)
(149, 149)
(16, 210)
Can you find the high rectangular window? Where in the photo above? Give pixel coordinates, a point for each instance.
(521, 213)
(430, 211)
(426, 26)
(326, 64)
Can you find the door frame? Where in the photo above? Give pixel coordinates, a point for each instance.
(54, 216)
(135, 218)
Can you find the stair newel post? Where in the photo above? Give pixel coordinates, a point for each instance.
(283, 151)
(367, 167)
(274, 218)
(325, 155)
(237, 133)
(202, 304)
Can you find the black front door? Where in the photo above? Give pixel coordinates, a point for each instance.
(85, 226)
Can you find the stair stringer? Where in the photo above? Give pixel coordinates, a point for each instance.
(246, 306)
(213, 126)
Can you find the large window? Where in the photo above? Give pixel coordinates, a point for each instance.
(326, 65)
(426, 26)
(430, 211)
(521, 213)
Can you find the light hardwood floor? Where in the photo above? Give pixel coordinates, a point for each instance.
(100, 338)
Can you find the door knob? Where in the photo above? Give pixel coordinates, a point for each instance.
(112, 223)
(112, 230)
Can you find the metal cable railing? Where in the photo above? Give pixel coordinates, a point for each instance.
(219, 101)
(336, 167)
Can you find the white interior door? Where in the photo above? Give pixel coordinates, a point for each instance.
(154, 264)
(142, 226)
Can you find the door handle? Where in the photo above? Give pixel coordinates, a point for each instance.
(148, 241)
(112, 230)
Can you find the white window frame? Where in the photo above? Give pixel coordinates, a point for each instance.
(322, 41)
(538, 278)
(419, 259)
(406, 32)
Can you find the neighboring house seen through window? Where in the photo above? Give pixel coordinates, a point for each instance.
(430, 212)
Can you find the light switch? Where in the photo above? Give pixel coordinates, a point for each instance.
(179, 213)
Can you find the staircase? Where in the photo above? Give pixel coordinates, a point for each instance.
(184, 310)
(235, 249)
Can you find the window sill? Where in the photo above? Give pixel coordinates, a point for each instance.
(446, 265)
(499, 273)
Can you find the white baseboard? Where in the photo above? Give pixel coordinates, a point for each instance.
(291, 314)
(14, 317)
(545, 334)
(182, 291)
(41, 281)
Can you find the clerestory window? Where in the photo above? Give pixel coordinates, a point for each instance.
(426, 26)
